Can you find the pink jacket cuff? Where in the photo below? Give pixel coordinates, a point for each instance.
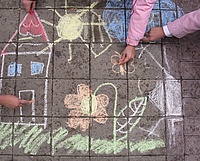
(132, 42)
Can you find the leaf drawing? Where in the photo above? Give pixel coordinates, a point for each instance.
(136, 109)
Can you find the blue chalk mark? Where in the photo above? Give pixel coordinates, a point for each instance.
(115, 4)
(166, 4)
(115, 21)
(117, 25)
(36, 68)
(12, 69)
(168, 12)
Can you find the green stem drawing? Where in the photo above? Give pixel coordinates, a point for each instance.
(115, 108)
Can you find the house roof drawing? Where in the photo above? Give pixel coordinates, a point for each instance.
(31, 32)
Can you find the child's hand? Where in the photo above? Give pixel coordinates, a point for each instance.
(154, 34)
(29, 5)
(11, 101)
(127, 54)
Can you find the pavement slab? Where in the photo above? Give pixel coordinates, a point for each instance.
(86, 106)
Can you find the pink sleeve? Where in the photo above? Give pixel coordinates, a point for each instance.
(186, 24)
(1, 99)
(140, 15)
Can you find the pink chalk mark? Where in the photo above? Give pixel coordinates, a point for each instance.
(31, 25)
(3, 51)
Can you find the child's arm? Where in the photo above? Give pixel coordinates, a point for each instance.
(184, 25)
(11, 101)
(29, 5)
(139, 18)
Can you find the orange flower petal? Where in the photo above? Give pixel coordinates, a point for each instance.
(83, 90)
(72, 101)
(101, 116)
(84, 125)
(102, 100)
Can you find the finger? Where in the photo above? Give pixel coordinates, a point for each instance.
(123, 56)
(22, 102)
(125, 61)
(121, 61)
(147, 34)
(33, 5)
(27, 8)
(146, 39)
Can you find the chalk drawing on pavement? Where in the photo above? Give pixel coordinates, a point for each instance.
(30, 29)
(84, 103)
(117, 22)
(71, 26)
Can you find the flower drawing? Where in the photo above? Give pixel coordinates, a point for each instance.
(116, 68)
(84, 105)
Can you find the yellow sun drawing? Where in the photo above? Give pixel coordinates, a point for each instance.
(71, 25)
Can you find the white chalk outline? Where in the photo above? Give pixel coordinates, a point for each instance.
(3, 54)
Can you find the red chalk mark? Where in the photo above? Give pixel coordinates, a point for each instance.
(31, 25)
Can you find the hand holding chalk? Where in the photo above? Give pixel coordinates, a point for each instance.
(11, 101)
(127, 54)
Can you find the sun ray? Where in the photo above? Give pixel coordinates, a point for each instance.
(47, 22)
(58, 14)
(58, 40)
(71, 26)
(65, 6)
(70, 53)
(25, 38)
(93, 4)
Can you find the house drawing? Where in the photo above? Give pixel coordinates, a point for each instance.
(28, 61)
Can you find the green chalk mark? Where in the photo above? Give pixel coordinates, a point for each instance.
(27, 136)
(146, 145)
(18, 133)
(5, 136)
(37, 143)
(106, 146)
(80, 145)
(122, 110)
(34, 136)
(76, 142)
(73, 143)
(6, 131)
(115, 108)
(141, 112)
(61, 134)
